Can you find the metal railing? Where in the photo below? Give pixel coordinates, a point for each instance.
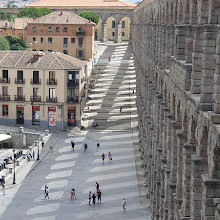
(36, 81)
(4, 80)
(49, 99)
(19, 81)
(19, 98)
(35, 98)
(51, 82)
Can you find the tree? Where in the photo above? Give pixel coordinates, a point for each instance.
(17, 43)
(4, 16)
(4, 44)
(90, 14)
(32, 12)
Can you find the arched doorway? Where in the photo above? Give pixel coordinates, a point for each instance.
(125, 28)
(111, 32)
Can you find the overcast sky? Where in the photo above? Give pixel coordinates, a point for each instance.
(133, 1)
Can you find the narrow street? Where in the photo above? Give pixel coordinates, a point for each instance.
(64, 169)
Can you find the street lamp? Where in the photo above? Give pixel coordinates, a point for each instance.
(14, 166)
(38, 151)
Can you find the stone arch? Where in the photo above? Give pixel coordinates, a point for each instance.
(192, 135)
(178, 112)
(111, 28)
(125, 27)
(173, 105)
(213, 12)
(185, 126)
(203, 144)
(98, 30)
(215, 172)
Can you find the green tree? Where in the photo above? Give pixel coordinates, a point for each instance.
(90, 14)
(17, 43)
(32, 12)
(4, 44)
(4, 16)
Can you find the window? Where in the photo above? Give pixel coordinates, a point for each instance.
(80, 42)
(20, 91)
(50, 40)
(34, 39)
(5, 74)
(34, 29)
(113, 34)
(65, 29)
(20, 76)
(5, 90)
(65, 51)
(36, 77)
(51, 75)
(41, 39)
(65, 42)
(4, 110)
(113, 24)
(50, 29)
(123, 34)
(80, 54)
(123, 24)
(50, 51)
(35, 92)
(52, 93)
(73, 40)
(57, 29)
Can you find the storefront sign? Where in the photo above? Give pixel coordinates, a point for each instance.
(52, 116)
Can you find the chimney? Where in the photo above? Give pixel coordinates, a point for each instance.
(36, 56)
(89, 20)
(61, 13)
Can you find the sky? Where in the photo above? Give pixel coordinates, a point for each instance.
(133, 1)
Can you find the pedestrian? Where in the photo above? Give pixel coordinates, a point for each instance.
(3, 188)
(73, 144)
(42, 145)
(45, 189)
(103, 158)
(51, 146)
(90, 197)
(73, 194)
(109, 156)
(98, 145)
(123, 204)
(109, 59)
(99, 193)
(133, 92)
(93, 198)
(33, 154)
(97, 187)
(121, 109)
(47, 192)
(85, 147)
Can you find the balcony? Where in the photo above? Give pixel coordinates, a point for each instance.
(35, 98)
(73, 83)
(19, 81)
(70, 99)
(19, 98)
(80, 33)
(4, 80)
(36, 81)
(48, 99)
(5, 97)
(51, 82)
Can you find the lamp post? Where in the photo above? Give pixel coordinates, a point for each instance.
(14, 182)
(38, 151)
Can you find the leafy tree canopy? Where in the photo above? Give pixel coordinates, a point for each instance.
(32, 12)
(17, 43)
(90, 14)
(4, 16)
(4, 44)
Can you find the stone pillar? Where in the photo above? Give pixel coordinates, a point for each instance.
(217, 78)
(172, 39)
(180, 37)
(131, 31)
(198, 168)
(208, 67)
(163, 47)
(189, 43)
(168, 45)
(197, 61)
(118, 32)
(104, 32)
(188, 150)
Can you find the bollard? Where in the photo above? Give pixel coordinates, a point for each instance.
(10, 169)
(17, 162)
(24, 156)
(6, 161)
(3, 178)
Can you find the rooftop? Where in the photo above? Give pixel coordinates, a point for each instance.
(82, 3)
(60, 17)
(39, 60)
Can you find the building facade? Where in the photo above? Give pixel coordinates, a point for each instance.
(42, 89)
(176, 50)
(63, 32)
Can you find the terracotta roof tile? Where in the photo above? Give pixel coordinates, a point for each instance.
(21, 23)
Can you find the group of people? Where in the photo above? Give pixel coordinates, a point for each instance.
(109, 157)
(92, 196)
(31, 155)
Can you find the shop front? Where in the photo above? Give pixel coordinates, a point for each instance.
(35, 115)
(19, 114)
(71, 116)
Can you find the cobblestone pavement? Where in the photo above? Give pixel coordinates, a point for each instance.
(63, 169)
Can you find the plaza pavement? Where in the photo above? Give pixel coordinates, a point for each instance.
(63, 169)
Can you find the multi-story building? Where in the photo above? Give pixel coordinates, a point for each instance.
(64, 32)
(42, 89)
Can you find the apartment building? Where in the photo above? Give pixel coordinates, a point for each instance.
(62, 31)
(42, 89)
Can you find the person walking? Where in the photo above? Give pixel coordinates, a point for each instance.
(73, 144)
(123, 204)
(97, 187)
(109, 156)
(93, 198)
(109, 59)
(85, 147)
(103, 158)
(121, 109)
(98, 145)
(3, 188)
(51, 146)
(47, 192)
(90, 197)
(45, 189)
(42, 145)
(73, 194)
(33, 154)
(99, 194)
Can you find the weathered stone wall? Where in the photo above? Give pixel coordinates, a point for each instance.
(176, 46)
